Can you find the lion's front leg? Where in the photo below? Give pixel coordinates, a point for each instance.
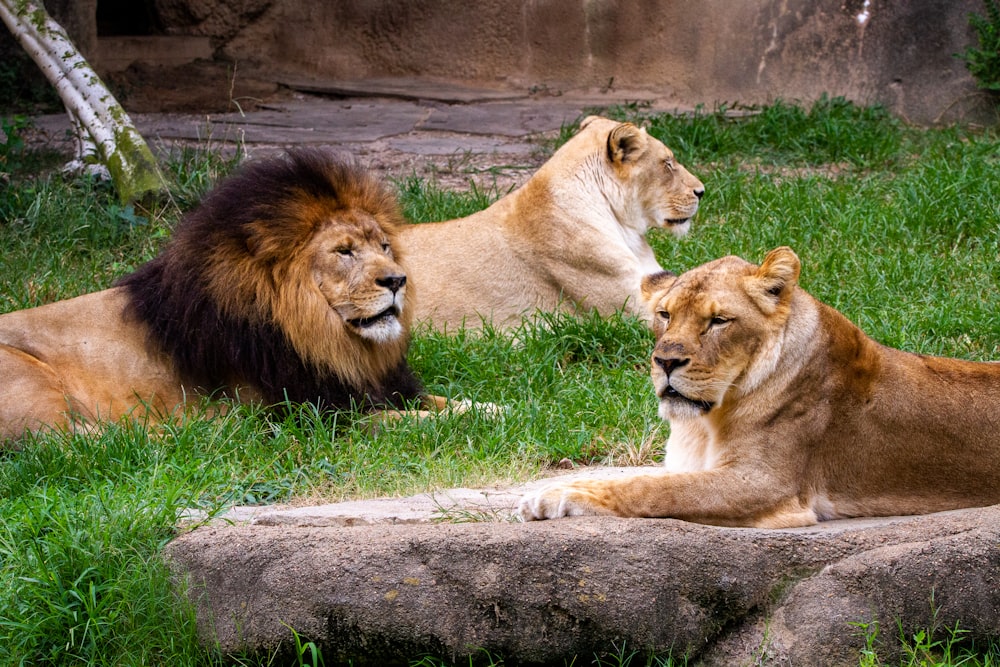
(435, 403)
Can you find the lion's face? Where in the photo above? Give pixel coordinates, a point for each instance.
(668, 193)
(354, 269)
(718, 329)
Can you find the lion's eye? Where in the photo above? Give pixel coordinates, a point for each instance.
(385, 247)
(718, 321)
(663, 315)
(669, 164)
(345, 250)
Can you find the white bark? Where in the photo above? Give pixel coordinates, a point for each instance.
(103, 127)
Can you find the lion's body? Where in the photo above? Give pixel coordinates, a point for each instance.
(79, 355)
(571, 238)
(284, 283)
(784, 413)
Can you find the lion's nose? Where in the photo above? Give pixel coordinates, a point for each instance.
(699, 192)
(391, 283)
(669, 364)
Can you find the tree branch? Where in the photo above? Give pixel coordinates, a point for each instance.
(102, 126)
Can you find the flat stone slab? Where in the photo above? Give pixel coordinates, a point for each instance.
(449, 505)
(449, 133)
(457, 505)
(450, 143)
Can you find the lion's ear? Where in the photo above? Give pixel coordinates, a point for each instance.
(776, 276)
(625, 143)
(655, 284)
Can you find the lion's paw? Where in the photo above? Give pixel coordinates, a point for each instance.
(484, 409)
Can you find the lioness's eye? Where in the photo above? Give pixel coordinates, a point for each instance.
(718, 320)
(669, 164)
(663, 315)
(346, 251)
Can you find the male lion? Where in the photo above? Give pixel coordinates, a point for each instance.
(783, 413)
(572, 237)
(285, 283)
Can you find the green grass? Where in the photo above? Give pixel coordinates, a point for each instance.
(897, 227)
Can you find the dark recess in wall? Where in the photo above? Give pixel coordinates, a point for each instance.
(119, 18)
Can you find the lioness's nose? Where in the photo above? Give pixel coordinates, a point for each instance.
(668, 364)
(391, 283)
(699, 192)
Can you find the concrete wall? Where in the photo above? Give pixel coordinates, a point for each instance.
(896, 52)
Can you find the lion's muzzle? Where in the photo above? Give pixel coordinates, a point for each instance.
(393, 283)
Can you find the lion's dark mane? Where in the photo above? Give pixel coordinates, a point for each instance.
(215, 351)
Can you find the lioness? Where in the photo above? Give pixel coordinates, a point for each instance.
(783, 413)
(571, 237)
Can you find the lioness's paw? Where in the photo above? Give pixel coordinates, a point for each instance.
(554, 501)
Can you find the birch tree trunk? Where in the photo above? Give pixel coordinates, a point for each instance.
(104, 132)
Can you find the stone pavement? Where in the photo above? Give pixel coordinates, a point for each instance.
(399, 126)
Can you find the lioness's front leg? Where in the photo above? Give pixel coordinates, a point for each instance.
(729, 497)
(577, 498)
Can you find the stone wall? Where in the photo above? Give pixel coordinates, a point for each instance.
(900, 54)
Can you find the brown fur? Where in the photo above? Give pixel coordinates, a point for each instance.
(571, 238)
(783, 413)
(261, 294)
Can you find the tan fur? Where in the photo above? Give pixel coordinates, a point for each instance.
(572, 237)
(309, 269)
(81, 360)
(783, 413)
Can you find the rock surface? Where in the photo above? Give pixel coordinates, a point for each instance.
(452, 135)
(898, 54)
(364, 580)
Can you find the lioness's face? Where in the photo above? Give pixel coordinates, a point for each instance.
(668, 194)
(713, 325)
(354, 268)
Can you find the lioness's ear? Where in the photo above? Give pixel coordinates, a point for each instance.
(654, 284)
(776, 276)
(625, 143)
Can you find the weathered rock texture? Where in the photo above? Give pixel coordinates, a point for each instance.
(545, 591)
(900, 54)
